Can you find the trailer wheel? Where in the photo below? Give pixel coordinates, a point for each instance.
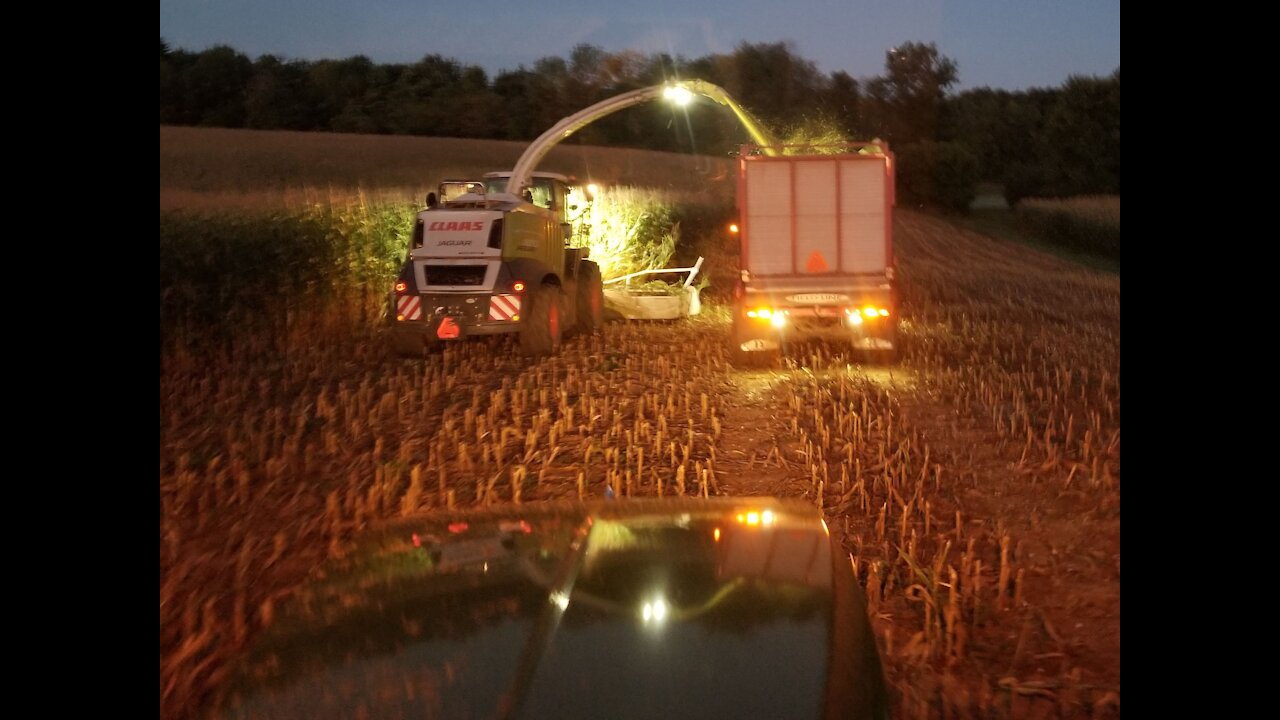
(886, 357)
(892, 355)
(883, 356)
(590, 298)
(540, 329)
(755, 359)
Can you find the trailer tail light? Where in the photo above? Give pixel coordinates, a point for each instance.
(733, 228)
(517, 286)
(871, 312)
(776, 318)
(762, 518)
(401, 287)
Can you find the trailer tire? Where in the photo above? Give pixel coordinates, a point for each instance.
(540, 330)
(590, 298)
(755, 359)
(886, 357)
(882, 356)
(891, 356)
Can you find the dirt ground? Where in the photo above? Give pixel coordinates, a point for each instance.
(1063, 638)
(975, 483)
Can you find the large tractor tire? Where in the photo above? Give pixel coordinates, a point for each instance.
(590, 298)
(540, 330)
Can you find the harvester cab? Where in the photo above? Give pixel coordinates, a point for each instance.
(450, 190)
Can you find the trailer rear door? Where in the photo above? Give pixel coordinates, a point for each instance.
(815, 214)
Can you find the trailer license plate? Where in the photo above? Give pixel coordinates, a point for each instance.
(813, 298)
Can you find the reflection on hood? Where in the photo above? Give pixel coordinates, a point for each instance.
(637, 609)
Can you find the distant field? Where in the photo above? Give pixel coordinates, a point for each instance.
(1100, 210)
(214, 167)
(1087, 223)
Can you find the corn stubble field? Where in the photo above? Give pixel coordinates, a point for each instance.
(975, 484)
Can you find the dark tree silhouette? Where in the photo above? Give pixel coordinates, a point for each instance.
(916, 81)
(1042, 141)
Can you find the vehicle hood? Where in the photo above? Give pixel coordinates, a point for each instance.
(635, 609)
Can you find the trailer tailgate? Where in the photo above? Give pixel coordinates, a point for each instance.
(816, 214)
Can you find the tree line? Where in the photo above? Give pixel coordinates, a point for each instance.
(1044, 141)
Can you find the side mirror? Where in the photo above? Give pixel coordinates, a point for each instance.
(431, 200)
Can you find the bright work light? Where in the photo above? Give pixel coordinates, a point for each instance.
(677, 95)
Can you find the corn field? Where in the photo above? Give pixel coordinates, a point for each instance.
(975, 486)
(224, 271)
(221, 168)
(629, 229)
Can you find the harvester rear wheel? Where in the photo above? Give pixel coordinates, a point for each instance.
(540, 329)
(590, 298)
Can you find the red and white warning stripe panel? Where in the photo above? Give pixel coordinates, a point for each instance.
(504, 307)
(409, 307)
